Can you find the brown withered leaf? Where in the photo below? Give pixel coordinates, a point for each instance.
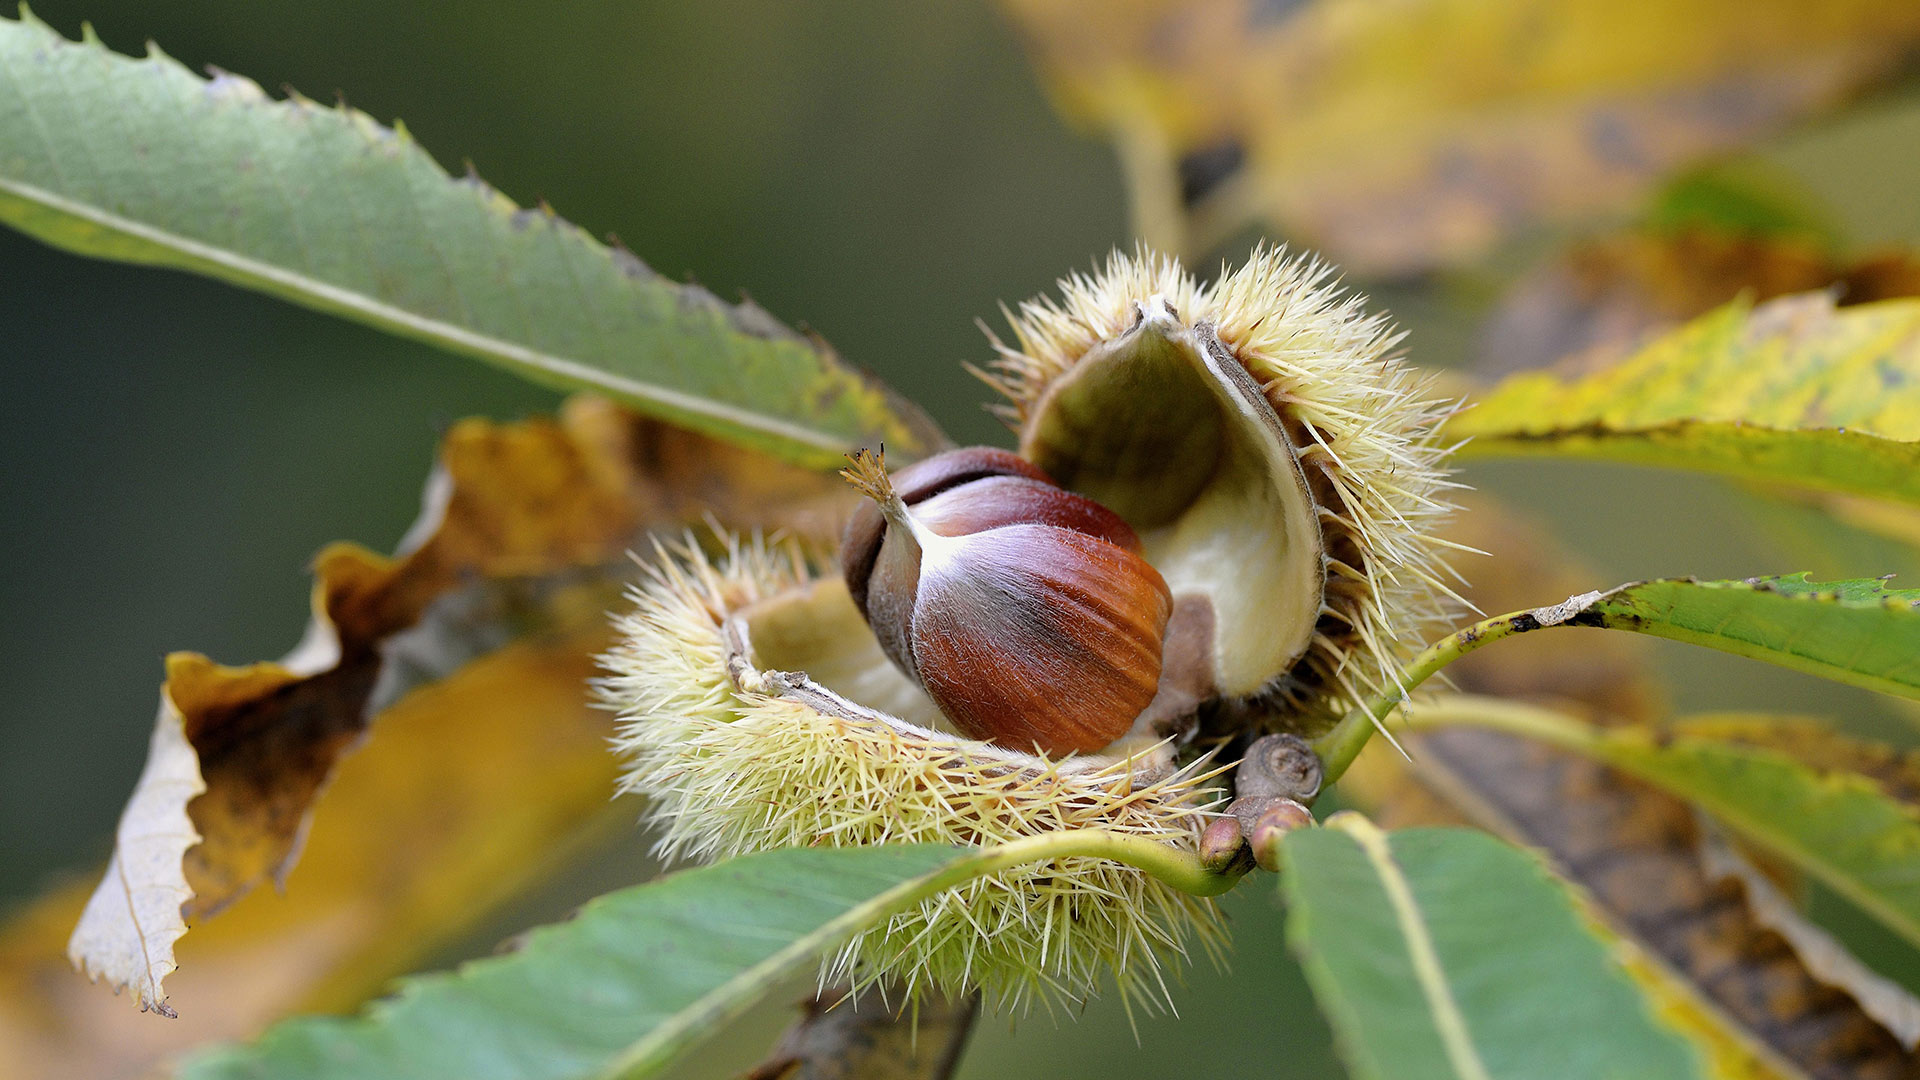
(1399, 137)
(1610, 294)
(127, 931)
(473, 788)
(517, 517)
(1825, 957)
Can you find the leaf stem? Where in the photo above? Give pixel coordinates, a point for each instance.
(1500, 714)
(1163, 862)
(1338, 747)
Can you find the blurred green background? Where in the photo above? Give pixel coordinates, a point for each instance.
(882, 173)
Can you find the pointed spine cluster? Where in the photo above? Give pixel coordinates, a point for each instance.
(727, 771)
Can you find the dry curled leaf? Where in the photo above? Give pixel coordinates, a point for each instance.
(1397, 137)
(525, 528)
(1826, 959)
(127, 932)
(473, 788)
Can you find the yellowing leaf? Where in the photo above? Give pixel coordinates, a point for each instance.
(1793, 392)
(1687, 935)
(524, 534)
(1843, 827)
(1709, 965)
(1727, 1052)
(1401, 136)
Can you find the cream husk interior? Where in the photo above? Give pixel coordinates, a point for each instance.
(1203, 471)
(816, 629)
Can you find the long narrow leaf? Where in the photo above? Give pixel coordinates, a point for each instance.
(619, 989)
(143, 161)
(640, 975)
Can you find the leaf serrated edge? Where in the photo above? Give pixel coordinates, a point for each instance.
(909, 430)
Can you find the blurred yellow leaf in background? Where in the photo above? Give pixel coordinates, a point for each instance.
(1397, 137)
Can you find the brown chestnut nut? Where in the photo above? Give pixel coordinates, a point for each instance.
(1026, 611)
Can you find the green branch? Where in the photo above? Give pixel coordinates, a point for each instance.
(1165, 863)
(1338, 748)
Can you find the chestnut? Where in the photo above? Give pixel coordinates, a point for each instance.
(1026, 611)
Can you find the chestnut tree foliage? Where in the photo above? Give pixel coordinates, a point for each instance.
(1546, 875)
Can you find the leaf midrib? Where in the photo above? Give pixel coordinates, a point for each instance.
(412, 323)
(1448, 1021)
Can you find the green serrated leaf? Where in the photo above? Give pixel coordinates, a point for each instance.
(1792, 392)
(640, 975)
(1447, 954)
(618, 990)
(143, 161)
(1856, 632)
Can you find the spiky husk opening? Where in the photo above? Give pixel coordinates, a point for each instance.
(728, 771)
(1362, 422)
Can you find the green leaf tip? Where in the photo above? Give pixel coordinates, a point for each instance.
(142, 160)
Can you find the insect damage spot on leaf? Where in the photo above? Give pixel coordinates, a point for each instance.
(1556, 614)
